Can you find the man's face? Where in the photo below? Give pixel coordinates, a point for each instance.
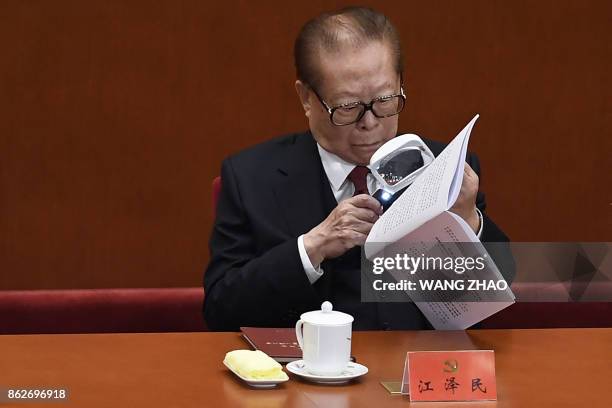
(355, 74)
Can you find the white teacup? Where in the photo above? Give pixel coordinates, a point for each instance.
(326, 340)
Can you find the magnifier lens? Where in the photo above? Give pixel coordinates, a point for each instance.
(394, 169)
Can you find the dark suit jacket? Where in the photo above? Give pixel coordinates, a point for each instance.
(271, 194)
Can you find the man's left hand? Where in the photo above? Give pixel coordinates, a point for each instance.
(465, 206)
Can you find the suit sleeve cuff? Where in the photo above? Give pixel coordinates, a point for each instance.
(311, 272)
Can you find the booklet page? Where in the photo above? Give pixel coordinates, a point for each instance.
(427, 197)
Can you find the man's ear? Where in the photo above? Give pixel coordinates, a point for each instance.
(304, 94)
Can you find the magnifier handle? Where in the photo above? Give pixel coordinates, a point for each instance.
(386, 199)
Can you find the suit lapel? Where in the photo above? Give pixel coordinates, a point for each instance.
(304, 194)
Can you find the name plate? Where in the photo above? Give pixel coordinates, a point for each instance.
(450, 375)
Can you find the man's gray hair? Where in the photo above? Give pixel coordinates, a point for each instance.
(333, 31)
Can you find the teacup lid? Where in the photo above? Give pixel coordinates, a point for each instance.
(326, 316)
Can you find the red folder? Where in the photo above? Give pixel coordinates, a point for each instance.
(279, 343)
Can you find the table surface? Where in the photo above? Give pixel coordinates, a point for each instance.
(548, 367)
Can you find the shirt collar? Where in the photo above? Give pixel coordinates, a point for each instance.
(336, 168)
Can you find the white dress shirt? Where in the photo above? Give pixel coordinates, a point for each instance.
(337, 171)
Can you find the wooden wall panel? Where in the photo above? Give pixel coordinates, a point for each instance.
(115, 116)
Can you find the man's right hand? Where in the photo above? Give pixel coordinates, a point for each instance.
(346, 226)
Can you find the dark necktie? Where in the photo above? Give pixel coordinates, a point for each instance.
(359, 179)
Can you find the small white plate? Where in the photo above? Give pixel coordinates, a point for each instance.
(257, 383)
(352, 370)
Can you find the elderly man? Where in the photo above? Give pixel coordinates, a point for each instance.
(294, 211)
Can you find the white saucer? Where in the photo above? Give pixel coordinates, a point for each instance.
(352, 370)
(256, 382)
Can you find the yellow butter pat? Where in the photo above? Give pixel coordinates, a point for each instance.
(254, 364)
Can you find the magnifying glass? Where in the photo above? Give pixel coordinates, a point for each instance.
(396, 164)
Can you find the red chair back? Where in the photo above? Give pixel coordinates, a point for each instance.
(101, 310)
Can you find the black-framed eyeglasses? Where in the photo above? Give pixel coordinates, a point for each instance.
(352, 112)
